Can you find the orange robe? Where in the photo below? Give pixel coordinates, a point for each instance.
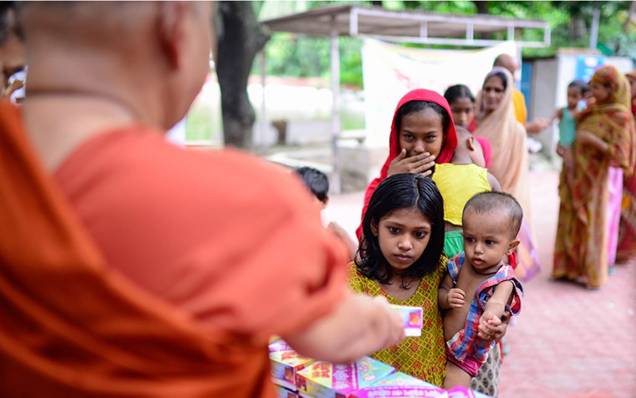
(154, 271)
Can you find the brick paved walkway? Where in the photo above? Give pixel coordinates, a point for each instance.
(569, 342)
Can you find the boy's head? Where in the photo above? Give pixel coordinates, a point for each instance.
(468, 149)
(316, 181)
(576, 92)
(491, 222)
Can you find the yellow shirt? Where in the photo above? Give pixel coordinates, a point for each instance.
(458, 183)
(423, 357)
(519, 102)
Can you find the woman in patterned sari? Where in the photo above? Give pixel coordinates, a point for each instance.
(627, 232)
(604, 139)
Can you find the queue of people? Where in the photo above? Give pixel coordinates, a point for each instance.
(133, 267)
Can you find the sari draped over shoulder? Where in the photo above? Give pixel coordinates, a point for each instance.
(72, 326)
(627, 231)
(510, 166)
(508, 139)
(581, 249)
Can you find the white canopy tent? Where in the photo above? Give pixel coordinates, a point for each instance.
(399, 26)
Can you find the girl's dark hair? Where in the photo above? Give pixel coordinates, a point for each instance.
(501, 76)
(458, 91)
(579, 85)
(402, 191)
(417, 106)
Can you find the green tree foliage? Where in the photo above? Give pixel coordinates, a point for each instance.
(297, 56)
(570, 22)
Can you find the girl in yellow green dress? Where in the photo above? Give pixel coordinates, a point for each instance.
(401, 259)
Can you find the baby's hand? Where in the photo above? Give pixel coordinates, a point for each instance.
(455, 298)
(489, 326)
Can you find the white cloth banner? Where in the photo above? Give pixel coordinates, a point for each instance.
(390, 70)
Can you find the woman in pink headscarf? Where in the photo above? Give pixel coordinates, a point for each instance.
(422, 134)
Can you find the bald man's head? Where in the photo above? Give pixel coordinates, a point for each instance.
(508, 62)
(152, 54)
(100, 24)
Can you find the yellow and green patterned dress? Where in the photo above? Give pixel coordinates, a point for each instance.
(423, 357)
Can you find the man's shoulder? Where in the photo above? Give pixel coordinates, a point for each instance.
(216, 166)
(149, 169)
(160, 154)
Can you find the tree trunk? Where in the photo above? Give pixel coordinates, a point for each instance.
(241, 37)
(482, 7)
(578, 28)
(630, 16)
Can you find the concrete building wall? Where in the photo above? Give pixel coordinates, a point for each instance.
(545, 80)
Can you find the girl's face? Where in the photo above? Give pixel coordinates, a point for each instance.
(463, 111)
(493, 93)
(421, 132)
(574, 96)
(600, 92)
(403, 235)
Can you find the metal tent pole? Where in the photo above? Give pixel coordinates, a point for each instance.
(263, 121)
(335, 107)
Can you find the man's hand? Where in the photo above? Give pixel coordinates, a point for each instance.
(13, 87)
(392, 323)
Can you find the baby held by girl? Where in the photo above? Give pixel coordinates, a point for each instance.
(480, 290)
(401, 259)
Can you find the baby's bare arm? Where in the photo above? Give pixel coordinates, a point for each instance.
(494, 321)
(496, 305)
